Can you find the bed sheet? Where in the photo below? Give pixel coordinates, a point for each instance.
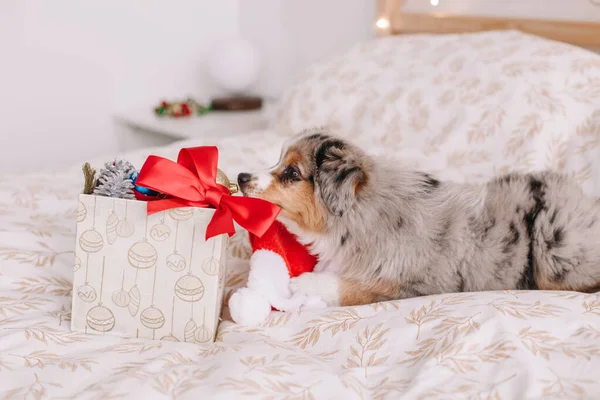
(491, 345)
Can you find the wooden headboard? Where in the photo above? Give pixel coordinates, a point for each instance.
(392, 20)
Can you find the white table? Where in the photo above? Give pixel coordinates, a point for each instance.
(143, 128)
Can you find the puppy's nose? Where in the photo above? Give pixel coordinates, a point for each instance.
(244, 178)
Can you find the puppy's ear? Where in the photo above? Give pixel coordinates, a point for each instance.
(340, 174)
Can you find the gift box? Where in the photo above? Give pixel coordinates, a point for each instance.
(156, 269)
(148, 276)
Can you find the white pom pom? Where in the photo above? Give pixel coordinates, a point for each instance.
(248, 307)
(234, 65)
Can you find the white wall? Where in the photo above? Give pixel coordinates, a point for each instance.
(67, 65)
(292, 34)
(578, 10)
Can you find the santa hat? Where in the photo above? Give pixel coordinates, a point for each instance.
(290, 253)
(277, 257)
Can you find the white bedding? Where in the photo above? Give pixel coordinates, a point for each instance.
(492, 345)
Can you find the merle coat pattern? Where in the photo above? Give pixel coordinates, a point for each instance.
(392, 233)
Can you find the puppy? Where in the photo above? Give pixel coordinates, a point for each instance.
(382, 232)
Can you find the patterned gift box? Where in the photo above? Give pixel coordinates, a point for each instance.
(147, 276)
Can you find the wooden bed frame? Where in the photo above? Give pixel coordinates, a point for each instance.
(393, 21)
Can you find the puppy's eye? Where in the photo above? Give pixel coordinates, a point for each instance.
(291, 173)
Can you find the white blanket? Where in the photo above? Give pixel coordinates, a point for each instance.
(494, 345)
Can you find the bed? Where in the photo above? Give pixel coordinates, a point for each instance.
(463, 106)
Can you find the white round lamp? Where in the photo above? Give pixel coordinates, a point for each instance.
(234, 65)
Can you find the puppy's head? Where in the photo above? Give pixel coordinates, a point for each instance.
(318, 176)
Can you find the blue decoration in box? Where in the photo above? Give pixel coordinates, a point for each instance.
(141, 189)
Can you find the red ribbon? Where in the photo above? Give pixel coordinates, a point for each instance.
(191, 182)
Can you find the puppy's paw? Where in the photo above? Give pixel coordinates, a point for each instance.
(317, 286)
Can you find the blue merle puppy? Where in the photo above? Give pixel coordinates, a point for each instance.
(383, 232)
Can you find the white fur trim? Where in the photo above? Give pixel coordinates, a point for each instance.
(248, 307)
(269, 275)
(323, 285)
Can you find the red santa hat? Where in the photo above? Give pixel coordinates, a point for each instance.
(277, 257)
(293, 255)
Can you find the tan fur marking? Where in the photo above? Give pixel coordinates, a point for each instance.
(355, 293)
(547, 284)
(543, 283)
(590, 289)
(361, 183)
(297, 203)
(293, 156)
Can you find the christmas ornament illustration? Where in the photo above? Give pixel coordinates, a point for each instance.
(211, 266)
(171, 337)
(125, 228)
(189, 287)
(142, 254)
(111, 226)
(175, 261)
(202, 334)
(190, 328)
(76, 264)
(134, 297)
(152, 317)
(100, 318)
(181, 214)
(121, 297)
(81, 212)
(161, 231)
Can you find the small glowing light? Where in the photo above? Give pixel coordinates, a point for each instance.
(434, 2)
(383, 23)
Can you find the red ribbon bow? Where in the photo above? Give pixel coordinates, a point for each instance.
(191, 182)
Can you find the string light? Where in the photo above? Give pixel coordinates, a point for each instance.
(434, 2)
(383, 23)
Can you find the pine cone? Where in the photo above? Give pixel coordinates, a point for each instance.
(113, 180)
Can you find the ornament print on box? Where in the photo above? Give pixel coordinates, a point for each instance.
(202, 334)
(76, 264)
(189, 287)
(142, 254)
(160, 231)
(152, 317)
(86, 292)
(91, 240)
(121, 297)
(111, 225)
(211, 266)
(190, 328)
(181, 214)
(171, 337)
(134, 297)
(175, 261)
(125, 228)
(100, 318)
(81, 212)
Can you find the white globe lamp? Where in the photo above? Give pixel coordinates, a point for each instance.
(234, 66)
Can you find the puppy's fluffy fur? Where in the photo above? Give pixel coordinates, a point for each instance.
(382, 232)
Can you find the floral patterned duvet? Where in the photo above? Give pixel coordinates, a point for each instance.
(492, 345)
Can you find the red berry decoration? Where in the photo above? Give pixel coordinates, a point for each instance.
(185, 109)
(181, 109)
